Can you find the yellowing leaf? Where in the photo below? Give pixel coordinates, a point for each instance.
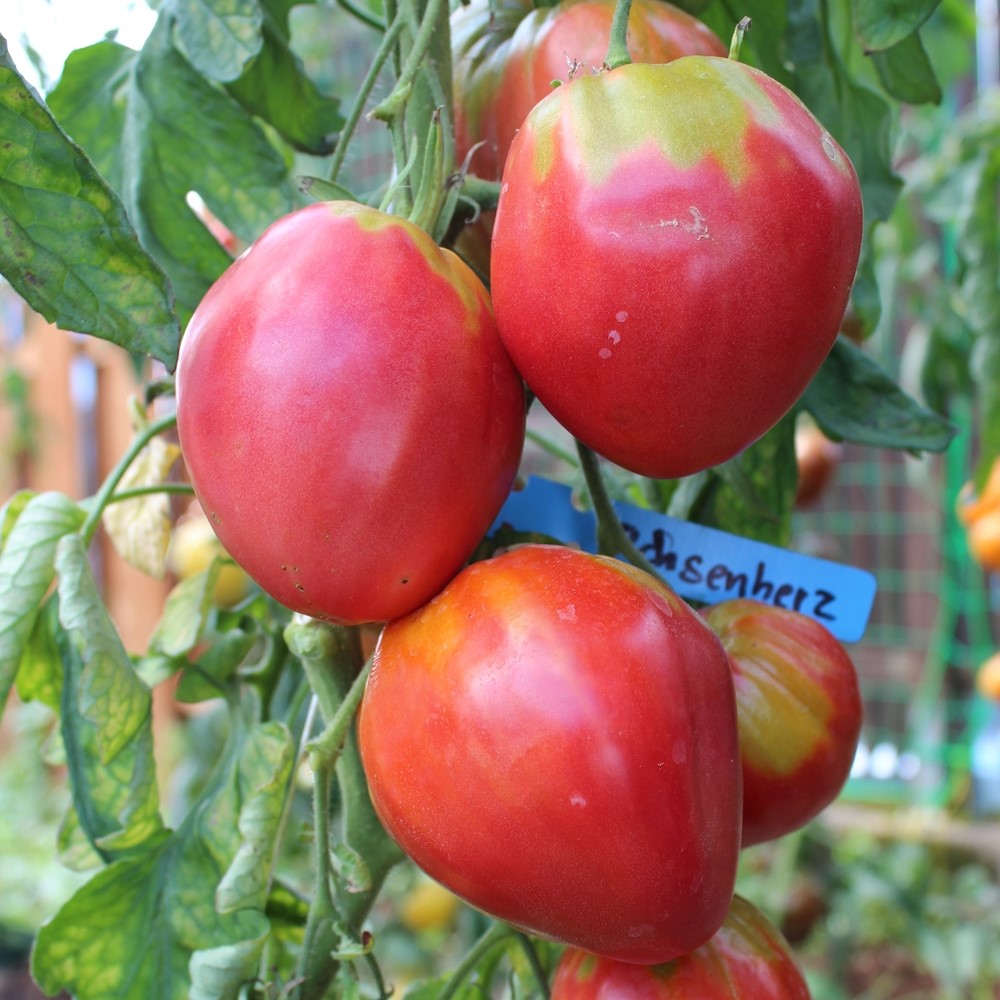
(140, 528)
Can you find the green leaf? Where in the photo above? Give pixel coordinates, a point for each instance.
(219, 37)
(276, 88)
(105, 718)
(185, 613)
(207, 678)
(40, 676)
(179, 133)
(150, 926)
(320, 189)
(26, 572)
(67, 245)
(91, 103)
(11, 511)
(752, 495)
(853, 399)
(880, 24)
(907, 73)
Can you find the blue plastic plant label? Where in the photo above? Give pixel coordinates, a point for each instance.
(706, 564)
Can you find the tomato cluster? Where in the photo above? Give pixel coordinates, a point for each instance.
(556, 737)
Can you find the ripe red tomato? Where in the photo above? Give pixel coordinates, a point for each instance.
(799, 710)
(506, 63)
(349, 417)
(746, 960)
(673, 253)
(506, 60)
(553, 738)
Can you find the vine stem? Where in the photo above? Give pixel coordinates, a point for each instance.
(493, 936)
(528, 947)
(392, 107)
(362, 14)
(103, 496)
(323, 750)
(618, 43)
(181, 489)
(385, 49)
(613, 532)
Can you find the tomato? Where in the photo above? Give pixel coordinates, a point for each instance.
(428, 906)
(554, 739)
(349, 417)
(673, 254)
(800, 712)
(983, 535)
(970, 507)
(193, 547)
(506, 63)
(988, 678)
(506, 60)
(746, 960)
(817, 458)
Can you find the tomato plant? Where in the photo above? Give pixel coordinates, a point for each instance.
(673, 254)
(553, 738)
(799, 709)
(746, 959)
(349, 449)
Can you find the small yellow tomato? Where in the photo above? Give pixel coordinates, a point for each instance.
(988, 678)
(428, 906)
(193, 546)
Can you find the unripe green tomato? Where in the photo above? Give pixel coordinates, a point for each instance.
(672, 258)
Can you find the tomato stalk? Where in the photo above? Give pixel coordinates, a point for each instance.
(418, 112)
(614, 540)
(738, 35)
(332, 660)
(493, 936)
(618, 44)
(102, 498)
(382, 54)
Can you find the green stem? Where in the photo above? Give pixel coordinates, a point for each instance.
(103, 495)
(555, 450)
(363, 14)
(182, 489)
(315, 967)
(392, 107)
(612, 533)
(398, 190)
(325, 749)
(737, 43)
(385, 49)
(618, 43)
(430, 194)
(528, 947)
(493, 936)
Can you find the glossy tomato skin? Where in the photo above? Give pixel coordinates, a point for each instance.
(349, 417)
(505, 65)
(673, 254)
(553, 738)
(800, 713)
(747, 959)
